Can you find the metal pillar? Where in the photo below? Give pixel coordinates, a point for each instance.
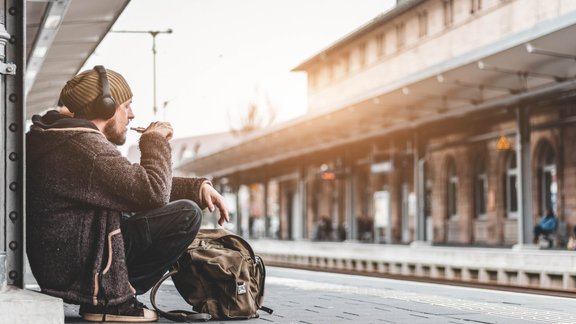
(4, 36)
(238, 220)
(525, 222)
(299, 209)
(266, 211)
(420, 188)
(152, 33)
(12, 40)
(350, 205)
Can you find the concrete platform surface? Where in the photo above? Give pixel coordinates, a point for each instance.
(299, 296)
(24, 306)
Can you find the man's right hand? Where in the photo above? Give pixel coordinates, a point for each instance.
(162, 128)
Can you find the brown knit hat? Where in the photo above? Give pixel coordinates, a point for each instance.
(80, 93)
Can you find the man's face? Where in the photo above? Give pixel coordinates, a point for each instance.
(116, 127)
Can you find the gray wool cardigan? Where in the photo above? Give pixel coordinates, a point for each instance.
(78, 185)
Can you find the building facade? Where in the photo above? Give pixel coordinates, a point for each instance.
(447, 121)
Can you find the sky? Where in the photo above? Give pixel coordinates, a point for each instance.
(224, 54)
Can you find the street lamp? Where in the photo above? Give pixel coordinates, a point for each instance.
(152, 33)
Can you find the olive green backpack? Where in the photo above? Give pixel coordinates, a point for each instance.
(220, 276)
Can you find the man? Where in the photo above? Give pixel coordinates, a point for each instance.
(547, 225)
(101, 230)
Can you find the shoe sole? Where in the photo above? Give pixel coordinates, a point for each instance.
(149, 316)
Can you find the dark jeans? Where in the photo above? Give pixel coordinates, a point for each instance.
(154, 240)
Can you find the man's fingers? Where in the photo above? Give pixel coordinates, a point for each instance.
(208, 200)
(223, 210)
(210, 205)
(213, 199)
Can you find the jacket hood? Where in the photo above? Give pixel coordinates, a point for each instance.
(51, 130)
(53, 119)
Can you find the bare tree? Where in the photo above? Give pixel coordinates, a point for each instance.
(258, 114)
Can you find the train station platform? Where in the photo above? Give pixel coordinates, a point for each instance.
(304, 296)
(526, 265)
(300, 296)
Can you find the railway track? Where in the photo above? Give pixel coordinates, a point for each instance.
(557, 292)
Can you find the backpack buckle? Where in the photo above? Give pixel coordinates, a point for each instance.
(241, 288)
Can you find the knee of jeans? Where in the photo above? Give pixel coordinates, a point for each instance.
(193, 216)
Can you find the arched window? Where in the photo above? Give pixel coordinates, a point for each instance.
(511, 186)
(548, 181)
(481, 189)
(452, 190)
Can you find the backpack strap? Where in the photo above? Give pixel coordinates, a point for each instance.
(266, 309)
(175, 315)
(259, 260)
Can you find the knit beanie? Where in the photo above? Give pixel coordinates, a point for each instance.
(80, 93)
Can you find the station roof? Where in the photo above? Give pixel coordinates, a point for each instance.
(400, 8)
(536, 63)
(60, 37)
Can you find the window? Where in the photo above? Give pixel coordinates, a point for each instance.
(335, 71)
(326, 75)
(381, 44)
(452, 190)
(312, 80)
(423, 24)
(475, 6)
(448, 12)
(400, 35)
(362, 54)
(345, 63)
(548, 181)
(481, 189)
(511, 186)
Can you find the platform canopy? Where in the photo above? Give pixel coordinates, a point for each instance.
(60, 36)
(535, 64)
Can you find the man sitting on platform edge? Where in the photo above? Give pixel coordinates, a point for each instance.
(547, 225)
(101, 230)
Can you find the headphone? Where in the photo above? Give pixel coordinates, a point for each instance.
(104, 105)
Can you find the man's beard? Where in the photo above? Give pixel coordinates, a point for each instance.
(113, 134)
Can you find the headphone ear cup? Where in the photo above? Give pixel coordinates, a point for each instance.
(107, 107)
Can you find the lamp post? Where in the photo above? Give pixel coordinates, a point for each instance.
(152, 33)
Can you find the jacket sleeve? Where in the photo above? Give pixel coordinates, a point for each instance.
(117, 184)
(187, 188)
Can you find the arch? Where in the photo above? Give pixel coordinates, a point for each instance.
(546, 158)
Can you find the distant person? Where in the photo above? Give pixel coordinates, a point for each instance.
(365, 228)
(571, 245)
(101, 230)
(547, 225)
(342, 231)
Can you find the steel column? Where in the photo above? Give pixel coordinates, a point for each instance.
(419, 187)
(13, 150)
(266, 211)
(524, 165)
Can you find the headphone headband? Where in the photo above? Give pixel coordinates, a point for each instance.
(106, 106)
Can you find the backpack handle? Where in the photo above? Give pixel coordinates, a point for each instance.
(175, 315)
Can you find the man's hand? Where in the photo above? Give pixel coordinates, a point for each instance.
(212, 198)
(163, 128)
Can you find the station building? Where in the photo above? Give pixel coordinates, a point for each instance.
(444, 121)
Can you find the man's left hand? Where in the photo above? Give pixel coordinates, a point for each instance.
(212, 198)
